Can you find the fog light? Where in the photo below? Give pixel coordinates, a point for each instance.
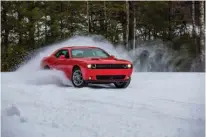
(90, 78)
(127, 77)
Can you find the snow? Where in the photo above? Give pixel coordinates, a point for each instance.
(45, 104)
(37, 103)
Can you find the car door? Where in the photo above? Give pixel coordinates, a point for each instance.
(52, 60)
(55, 57)
(66, 64)
(62, 63)
(61, 57)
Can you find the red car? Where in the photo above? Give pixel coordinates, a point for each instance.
(86, 64)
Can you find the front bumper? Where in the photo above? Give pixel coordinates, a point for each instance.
(106, 75)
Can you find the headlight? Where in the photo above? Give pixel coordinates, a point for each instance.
(89, 66)
(129, 65)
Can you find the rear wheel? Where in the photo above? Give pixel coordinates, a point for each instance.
(77, 78)
(122, 84)
(46, 67)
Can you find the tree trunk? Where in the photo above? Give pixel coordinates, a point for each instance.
(31, 34)
(134, 30)
(38, 35)
(45, 24)
(5, 41)
(61, 28)
(194, 35)
(127, 30)
(31, 27)
(193, 19)
(169, 20)
(149, 33)
(20, 17)
(105, 19)
(61, 22)
(202, 31)
(88, 18)
(124, 35)
(115, 36)
(154, 34)
(131, 23)
(45, 30)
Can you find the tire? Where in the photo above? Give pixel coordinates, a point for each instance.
(122, 84)
(77, 78)
(46, 67)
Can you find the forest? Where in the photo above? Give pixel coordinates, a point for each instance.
(30, 25)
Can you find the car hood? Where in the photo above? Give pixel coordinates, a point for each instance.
(103, 61)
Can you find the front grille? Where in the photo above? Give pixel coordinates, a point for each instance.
(109, 77)
(111, 66)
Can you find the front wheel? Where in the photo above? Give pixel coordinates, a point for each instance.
(122, 84)
(77, 78)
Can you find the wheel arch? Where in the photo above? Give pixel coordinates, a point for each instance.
(79, 64)
(44, 65)
(75, 67)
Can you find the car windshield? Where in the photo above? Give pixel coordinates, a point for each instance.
(89, 52)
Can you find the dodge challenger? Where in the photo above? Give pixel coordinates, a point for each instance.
(88, 64)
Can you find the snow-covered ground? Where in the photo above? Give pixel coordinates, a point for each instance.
(44, 104)
(154, 105)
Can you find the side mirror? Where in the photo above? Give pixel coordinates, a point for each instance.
(62, 57)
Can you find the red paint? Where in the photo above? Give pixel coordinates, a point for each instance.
(67, 64)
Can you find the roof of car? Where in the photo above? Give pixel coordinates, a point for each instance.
(76, 47)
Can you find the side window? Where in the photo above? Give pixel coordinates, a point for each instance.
(62, 52)
(77, 53)
(58, 54)
(65, 53)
